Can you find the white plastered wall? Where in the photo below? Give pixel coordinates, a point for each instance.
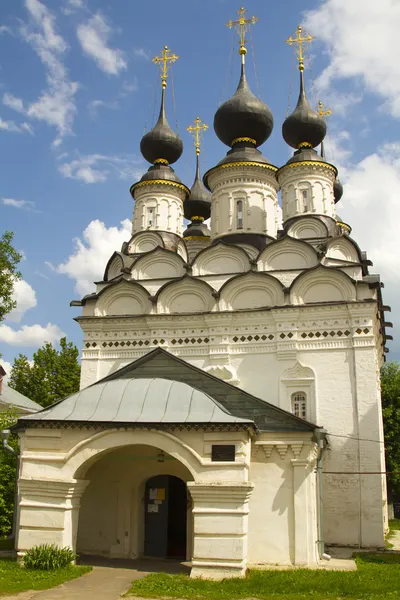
(307, 189)
(256, 187)
(166, 205)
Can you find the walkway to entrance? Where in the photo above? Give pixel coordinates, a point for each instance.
(108, 580)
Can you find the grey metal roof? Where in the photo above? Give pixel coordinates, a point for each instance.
(16, 400)
(138, 401)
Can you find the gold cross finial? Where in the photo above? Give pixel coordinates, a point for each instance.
(299, 40)
(241, 26)
(322, 111)
(162, 61)
(196, 130)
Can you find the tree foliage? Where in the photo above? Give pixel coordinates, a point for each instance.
(390, 386)
(8, 464)
(9, 259)
(53, 375)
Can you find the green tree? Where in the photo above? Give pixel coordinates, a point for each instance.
(53, 375)
(9, 259)
(8, 464)
(390, 386)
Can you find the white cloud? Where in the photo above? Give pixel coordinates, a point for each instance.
(141, 53)
(13, 102)
(130, 86)
(93, 37)
(97, 168)
(30, 335)
(90, 256)
(12, 127)
(21, 204)
(5, 29)
(361, 38)
(56, 104)
(72, 6)
(25, 297)
(94, 105)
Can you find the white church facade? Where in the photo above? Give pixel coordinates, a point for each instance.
(229, 411)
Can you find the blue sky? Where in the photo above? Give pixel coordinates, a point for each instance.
(78, 88)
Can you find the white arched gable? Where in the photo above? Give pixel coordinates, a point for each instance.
(221, 259)
(159, 264)
(322, 285)
(305, 228)
(123, 299)
(144, 242)
(185, 296)
(251, 251)
(287, 254)
(114, 268)
(251, 291)
(342, 249)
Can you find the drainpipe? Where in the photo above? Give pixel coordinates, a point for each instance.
(320, 434)
(4, 435)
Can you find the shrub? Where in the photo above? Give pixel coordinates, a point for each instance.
(48, 557)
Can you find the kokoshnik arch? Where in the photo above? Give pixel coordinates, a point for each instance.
(230, 371)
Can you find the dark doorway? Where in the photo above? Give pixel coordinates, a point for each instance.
(165, 517)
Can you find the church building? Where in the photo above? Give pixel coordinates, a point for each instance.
(229, 411)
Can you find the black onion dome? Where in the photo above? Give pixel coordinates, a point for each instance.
(243, 116)
(198, 204)
(161, 143)
(304, 126)
(337, 190)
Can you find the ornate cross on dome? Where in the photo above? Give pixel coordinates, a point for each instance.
(162, 61)
(322, 111)
(300, 40)
(196, 130)
(241, 26)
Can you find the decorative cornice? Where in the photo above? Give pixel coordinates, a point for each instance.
(244, 139)
(161, 161)
(242, 164)
(308, 163)
(180, 186)
(196, 237)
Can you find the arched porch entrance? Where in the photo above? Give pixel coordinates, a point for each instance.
(136, 504)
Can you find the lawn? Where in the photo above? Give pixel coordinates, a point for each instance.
(377, 578)
(14, 578)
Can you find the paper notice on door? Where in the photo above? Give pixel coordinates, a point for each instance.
(153, 493)
(160, 494)
(152, 508)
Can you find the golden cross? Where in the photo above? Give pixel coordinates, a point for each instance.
(241, 26)
(196, 130)
(323, 112)
(299, 40)
(162, 61)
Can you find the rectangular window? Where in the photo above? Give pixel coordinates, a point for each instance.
(223, 453)
(239, 214)
(150, 217)
(299, 405)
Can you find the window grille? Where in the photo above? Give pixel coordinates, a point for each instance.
(305, 200)
(299, 405)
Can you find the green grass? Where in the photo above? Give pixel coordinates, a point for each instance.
(377, 578)
(394, 525)
(14, 578)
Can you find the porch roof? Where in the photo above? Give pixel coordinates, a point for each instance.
(142, 400)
